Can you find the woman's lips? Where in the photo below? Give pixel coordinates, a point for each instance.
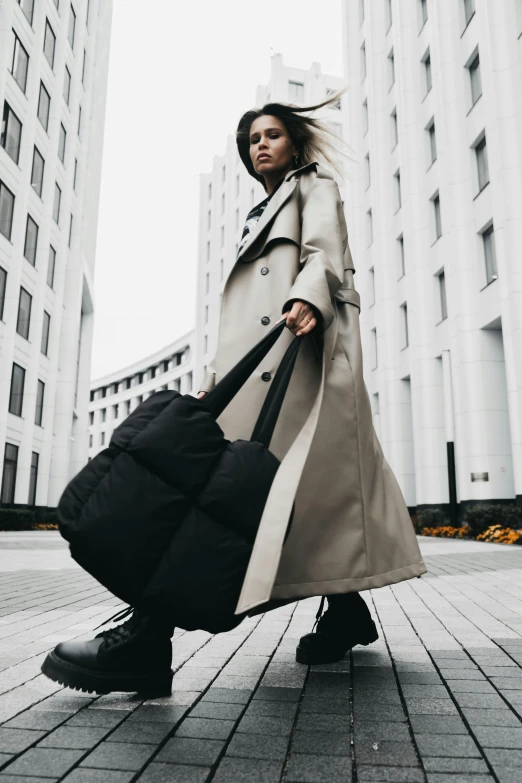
(263, 157)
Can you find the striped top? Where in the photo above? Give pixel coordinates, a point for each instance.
(252, 218)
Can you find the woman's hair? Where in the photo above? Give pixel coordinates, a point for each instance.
(312, 137)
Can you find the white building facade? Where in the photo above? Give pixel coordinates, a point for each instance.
(115, 396)
(53, 78)
(228, 193)
(435, 226)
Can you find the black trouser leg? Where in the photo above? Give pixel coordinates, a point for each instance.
(349, 606)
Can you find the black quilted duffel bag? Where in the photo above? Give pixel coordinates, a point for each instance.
(166, 516)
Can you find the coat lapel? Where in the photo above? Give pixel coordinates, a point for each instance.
(280, 198)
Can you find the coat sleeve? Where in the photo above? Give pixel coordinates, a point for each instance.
(324, 240)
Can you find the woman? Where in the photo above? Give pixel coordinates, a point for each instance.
(351, 529)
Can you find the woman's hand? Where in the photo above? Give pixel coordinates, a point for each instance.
(301, 319)
(201, 395)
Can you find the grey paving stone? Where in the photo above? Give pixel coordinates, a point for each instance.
(466, 765)
(147, 733)
(254, 746)
(98, 776)
(438, 724)
(481, 701)
(81, 738)
(36, 719)
(441, 745)
(458, 655)
(508, 683)
(462, 674)
(470, 686)
(248, 771)
(425, 691)
(17, 740)
(97, 718)
(174, 773)
(275, 727)
(419, 678)
(375, 712)
(321, 743)
(321, 722)
(324, 704)
(477, 717)
(228, 695)
(377, 732)
(185, 750)
(457, 663)
(6, 778)
(205, 728)
(305, 768)
(220, 710)
(48, 762)
(437, 777)
(269, 693)
(507, 774)
(5, 758)
(432, 706)
(152, 713)
(395, 754)
(275, 709)
(369, 774)
(119, 755)
(499, 737)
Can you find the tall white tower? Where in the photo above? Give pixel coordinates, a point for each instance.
(435, 220)
(53, 81)
(228, 193)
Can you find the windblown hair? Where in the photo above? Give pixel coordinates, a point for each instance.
(312, 137)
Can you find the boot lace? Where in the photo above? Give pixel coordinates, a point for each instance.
(120, 633)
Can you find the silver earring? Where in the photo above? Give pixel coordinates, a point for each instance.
(296, 158)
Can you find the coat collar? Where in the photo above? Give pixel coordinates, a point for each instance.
(280, 197)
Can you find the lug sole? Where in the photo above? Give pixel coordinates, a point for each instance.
(310, 657)
(149, 685)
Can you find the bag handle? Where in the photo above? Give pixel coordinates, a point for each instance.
(223, 392)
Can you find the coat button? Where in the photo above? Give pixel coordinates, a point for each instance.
(264, 270)
(266, 376)
(265, 320)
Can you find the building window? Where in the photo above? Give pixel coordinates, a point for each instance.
(71, 225)
(365, 118)
(127, 407)
(221, 269)
(152, 372)
(209, 190)
(295, 92)
(165, 366)
(31, 240)
(372, 286)
(3, 286)
(391, 70)
(103, 415)
(11, 135)
(206, 314)
(37, 172)
(57, 203)
(475, 80)
(128, 383)
(369, 228)
(45, 332)
(427, 71)
(433, 142)
(90, 441)
(189, 381)
(84, 65)
(75, 173)
(16, 394)
(24, 313)
(469, 10)
(115, 411)
(490, 256)
(442, 294)
(40, 391)
(237, 185)
(72, 27)
(398, 201)
(209, 219)
(49, 44)
(405, 337)
(237, 219)
(67, 85)
(208, 250)
(424, 12)
(361, 12)
(19, 63)
(438, 222)
(481, 153)
(363, 62)
(79, 128)
(222, 236)
(7, 200)
(367, 174)
(61, 143)
(102, 438)
(394, 128)
(222, 203)
(44, 104)
(207, 283)
(51, 265)
(27, 7)
(205, 345)
(374, 349)
(33, 478)
(402, 267)
(9, 473)
(388, 11)
(223, 173)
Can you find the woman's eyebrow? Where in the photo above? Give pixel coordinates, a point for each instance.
(267, 130)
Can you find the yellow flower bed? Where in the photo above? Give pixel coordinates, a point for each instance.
(446, 531)
(501, 535)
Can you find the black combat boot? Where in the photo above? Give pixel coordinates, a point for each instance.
(135, 656)
(346, 622)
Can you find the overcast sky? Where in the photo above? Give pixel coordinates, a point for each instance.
(180, 76)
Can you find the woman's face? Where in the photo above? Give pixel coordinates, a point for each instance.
(271, 148)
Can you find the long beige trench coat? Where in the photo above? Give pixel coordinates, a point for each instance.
(351, 529)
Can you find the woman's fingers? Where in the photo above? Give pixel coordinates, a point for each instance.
(201, 395)
(293, 315)
(307, 327)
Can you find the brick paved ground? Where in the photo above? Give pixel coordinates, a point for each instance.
(438, 698)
